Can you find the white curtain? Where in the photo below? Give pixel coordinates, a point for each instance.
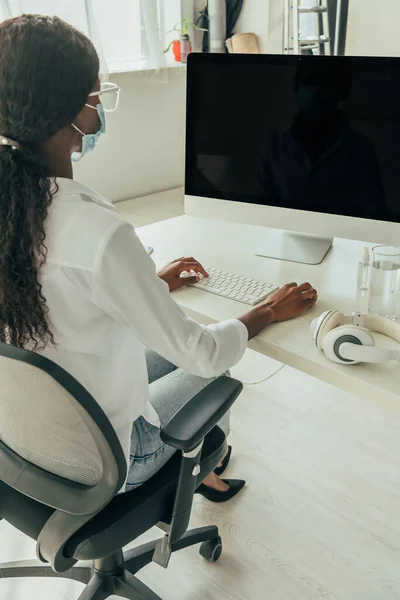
(152, 28)
(128, 34)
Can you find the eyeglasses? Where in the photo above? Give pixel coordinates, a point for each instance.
(108, 95)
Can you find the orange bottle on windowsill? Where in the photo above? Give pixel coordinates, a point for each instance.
(181, 48)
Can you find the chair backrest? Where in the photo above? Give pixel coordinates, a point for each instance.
(56, 444)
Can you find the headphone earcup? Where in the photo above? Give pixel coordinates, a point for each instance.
(341, 335)
(324, 324)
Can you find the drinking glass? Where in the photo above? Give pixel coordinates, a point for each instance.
(383, 283)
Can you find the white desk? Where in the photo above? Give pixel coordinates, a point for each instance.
(230, 246)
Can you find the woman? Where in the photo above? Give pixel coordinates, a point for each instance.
(76, 284)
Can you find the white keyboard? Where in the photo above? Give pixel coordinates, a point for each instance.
(236, 287)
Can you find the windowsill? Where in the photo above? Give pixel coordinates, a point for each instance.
(135, 67)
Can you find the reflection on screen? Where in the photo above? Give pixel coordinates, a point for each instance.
(311, 133)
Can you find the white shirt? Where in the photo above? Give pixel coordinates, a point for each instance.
(106, 304)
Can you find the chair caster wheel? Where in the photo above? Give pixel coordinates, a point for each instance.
(211, 550)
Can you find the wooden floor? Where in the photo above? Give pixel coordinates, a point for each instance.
(320, 517)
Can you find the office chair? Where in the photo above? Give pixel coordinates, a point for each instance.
(61, 467)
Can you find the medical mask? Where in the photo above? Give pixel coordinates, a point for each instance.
(89, 140)
(315, 101)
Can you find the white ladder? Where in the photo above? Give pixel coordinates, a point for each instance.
(293, 40)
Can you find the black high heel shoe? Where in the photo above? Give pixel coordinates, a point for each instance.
(235, 485)
(219, 470)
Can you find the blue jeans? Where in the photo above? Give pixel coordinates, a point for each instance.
(170, 389)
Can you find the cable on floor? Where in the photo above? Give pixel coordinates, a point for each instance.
(266, 378)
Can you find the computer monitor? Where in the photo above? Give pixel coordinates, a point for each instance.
(309, 145)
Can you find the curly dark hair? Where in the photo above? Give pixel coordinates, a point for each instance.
(47, 70)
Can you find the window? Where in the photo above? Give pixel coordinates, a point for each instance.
(128, 34)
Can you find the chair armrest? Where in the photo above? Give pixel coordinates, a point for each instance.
(189, 426)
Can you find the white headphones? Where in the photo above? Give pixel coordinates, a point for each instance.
(344, 338)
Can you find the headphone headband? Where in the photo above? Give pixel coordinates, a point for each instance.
(381, 325)
(370, 354)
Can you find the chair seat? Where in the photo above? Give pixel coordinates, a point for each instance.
(125, 518)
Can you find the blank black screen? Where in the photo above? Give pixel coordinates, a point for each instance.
(313, 133)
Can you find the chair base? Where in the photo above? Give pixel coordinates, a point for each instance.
(112, 575)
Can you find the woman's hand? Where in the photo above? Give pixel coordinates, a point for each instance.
(178, 273)
(291, 301)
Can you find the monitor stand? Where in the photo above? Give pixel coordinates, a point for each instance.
(295, 247)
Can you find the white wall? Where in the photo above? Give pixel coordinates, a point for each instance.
(254, 18)
(373, 28)
(143, 149)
